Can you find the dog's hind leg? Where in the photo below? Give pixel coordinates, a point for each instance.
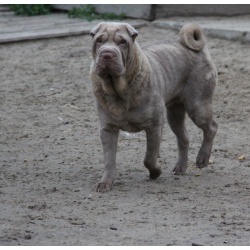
(203, 118)
(200, 110)
(176, 119)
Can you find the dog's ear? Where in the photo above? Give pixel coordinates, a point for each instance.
(132, 31)
(95, 29)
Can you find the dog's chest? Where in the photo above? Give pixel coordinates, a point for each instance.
(133, 121)
(131, 125)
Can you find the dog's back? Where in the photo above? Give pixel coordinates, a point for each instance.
(178, 61)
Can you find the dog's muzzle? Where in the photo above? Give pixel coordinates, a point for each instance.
(109, 61)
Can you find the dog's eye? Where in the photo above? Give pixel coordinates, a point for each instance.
(99, 40)
(123, 42)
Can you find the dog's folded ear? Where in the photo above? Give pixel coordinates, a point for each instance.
(95, 29)
(132, 31)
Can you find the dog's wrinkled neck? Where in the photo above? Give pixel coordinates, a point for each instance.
(114, 85)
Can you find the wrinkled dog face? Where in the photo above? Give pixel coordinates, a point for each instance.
(112, 44)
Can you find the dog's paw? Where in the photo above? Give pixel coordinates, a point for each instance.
(201, 164)
(103, 187)
(179, 170)
(202, 159)
(155, 173)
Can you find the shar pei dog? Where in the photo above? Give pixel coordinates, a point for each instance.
(135, 88)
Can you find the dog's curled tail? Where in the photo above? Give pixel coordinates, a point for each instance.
(192, 37)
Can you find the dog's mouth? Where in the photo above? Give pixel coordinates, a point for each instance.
(109, 71)
(109, 63)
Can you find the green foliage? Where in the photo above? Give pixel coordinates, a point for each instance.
(88, 12)
(84, 12)
(112, 16)
(30, 9)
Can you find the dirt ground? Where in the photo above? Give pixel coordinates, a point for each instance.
(51, 157)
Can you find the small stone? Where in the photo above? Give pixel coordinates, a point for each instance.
(170, 244)
(27, 237)
(211, 160)
(195, 244)
(242, 158)
(31, 206)
(197, 175)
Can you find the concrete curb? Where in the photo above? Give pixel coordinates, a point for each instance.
(62, 30)
(233, 35)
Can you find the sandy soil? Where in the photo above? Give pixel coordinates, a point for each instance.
(51, 157)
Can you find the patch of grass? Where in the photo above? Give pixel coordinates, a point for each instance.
(84, 12)
(30, 9)
(112, 16)
(88, 12)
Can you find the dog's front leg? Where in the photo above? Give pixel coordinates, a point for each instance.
(153, 147)
(109, 137)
